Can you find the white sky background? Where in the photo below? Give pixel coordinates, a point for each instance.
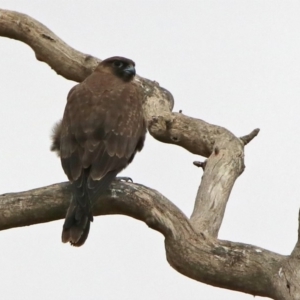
(230, 63)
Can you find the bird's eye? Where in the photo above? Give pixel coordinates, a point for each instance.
(117, 64)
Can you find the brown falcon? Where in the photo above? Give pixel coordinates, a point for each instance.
(102, 128)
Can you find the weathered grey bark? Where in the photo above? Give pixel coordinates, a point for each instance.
(191, 244)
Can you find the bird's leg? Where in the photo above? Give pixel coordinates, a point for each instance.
(123, 178)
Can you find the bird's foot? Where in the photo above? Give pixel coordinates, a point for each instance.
(125, 179)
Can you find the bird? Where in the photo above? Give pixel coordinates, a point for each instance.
(102, 128)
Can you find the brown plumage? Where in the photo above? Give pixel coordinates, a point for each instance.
(102, 128)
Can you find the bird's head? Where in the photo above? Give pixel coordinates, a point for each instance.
(120, 66)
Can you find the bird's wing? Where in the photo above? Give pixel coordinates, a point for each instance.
(102, 129)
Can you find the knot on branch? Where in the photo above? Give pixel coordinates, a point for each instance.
(159, 126)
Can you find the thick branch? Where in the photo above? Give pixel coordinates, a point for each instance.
(222, 168)
(48, 47)
(218, 263)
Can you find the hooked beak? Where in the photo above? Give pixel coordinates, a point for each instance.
(130, 70)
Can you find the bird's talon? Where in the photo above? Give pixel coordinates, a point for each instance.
(125, 179)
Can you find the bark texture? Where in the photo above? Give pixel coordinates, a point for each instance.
(192, 244)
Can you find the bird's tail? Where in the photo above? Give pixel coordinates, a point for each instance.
(79, 215)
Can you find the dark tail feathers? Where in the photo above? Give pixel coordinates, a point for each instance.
(79, 215)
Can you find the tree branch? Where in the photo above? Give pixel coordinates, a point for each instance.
(48, 47)
(214, 262)
(222, 168)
